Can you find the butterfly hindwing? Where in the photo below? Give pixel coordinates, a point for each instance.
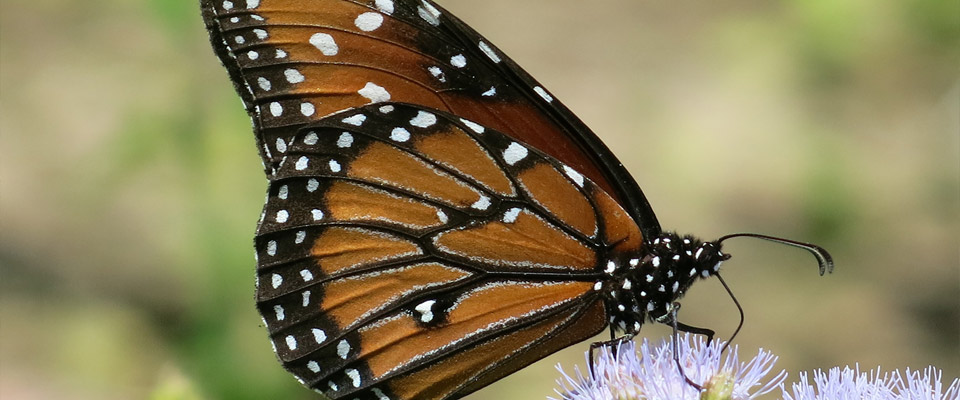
(464, 252)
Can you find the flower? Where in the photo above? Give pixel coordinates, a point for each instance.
(844, 384)
(851, 384)
(621, 373)
(928, 386)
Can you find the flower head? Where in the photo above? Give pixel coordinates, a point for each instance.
(624, 373)
(851, 384)
(927, 386)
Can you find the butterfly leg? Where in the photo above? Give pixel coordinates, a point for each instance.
(682, 327)
(613, 344)
(671, 319)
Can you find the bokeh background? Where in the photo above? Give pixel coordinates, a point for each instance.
(130, 185)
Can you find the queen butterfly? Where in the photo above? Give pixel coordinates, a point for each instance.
(435, 219)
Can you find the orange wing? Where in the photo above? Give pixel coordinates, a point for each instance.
(296, 61)
(410, 253)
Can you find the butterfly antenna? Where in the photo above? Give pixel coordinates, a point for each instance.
(823, 257)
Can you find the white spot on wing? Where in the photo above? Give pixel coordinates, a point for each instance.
(385, 6)
(306, 275)
(354, 377)
(426, 310)
(264, 83)
(276, 280)
(311, 139)
(343, 349)
(400, 135)
(472, 125)
(325, 43)
(318, 335)
(577, 178)
(317, 214)
(313, 367)
(423, 120)
(511, 215)
(429, 13)
(276, 109)
(301, 236)
(345, 140)
(293, 76)
(368, 21)
(302, 163)
(437, 73)
(485, 48)
(312, 185)
(481, 204)
(374, 93)
(307, 109)
(278, 311)
(281, 145)
(282, 216)
(334, 166)
(611, 266)
(543, 93)
(291, 342)
(355, 120)
(272, 248)
(306, 298)
(514, 153)
(458, 61)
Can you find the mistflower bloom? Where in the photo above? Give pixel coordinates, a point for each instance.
(851, 384)
(846, 384)
(623, 373)
(928, 386)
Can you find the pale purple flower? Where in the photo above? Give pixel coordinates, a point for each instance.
(851, 384)
(846, 384)
(651, 373)
(928, 386)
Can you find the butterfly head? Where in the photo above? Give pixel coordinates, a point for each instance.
(647, 289)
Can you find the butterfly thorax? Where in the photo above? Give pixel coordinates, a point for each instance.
(646, 286)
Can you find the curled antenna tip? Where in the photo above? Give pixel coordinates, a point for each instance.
(823, 257)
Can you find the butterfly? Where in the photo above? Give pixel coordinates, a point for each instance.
(435, 218)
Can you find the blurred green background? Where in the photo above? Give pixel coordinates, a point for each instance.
(130, 185)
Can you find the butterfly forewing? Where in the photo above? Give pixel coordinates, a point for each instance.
(295, 62)
(411, 253)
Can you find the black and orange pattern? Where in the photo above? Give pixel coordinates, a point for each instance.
(435, 219)
(396, 239)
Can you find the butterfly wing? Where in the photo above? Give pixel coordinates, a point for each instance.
(409, 253)
(294, 62)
